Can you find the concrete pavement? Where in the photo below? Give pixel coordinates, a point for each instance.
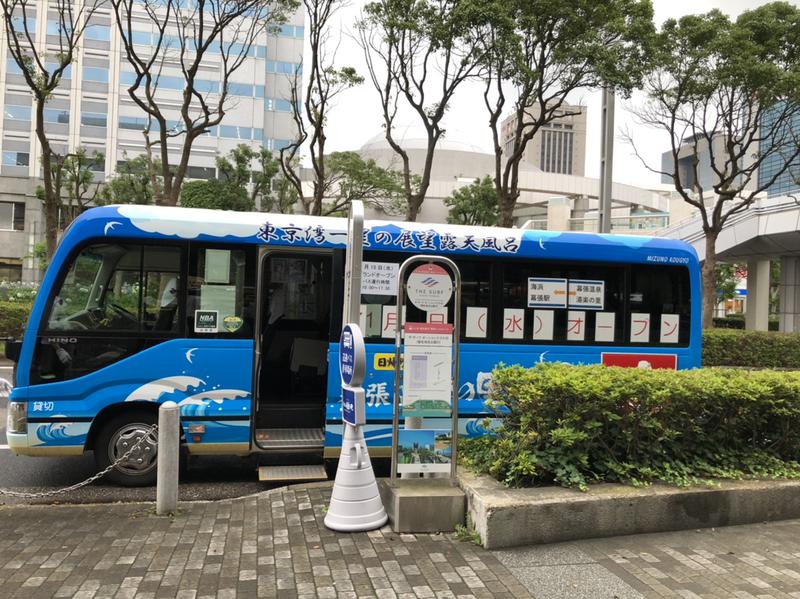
(274, 545)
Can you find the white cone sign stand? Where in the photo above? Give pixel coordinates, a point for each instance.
(356, 502)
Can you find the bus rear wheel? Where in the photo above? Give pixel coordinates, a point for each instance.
(116, 438)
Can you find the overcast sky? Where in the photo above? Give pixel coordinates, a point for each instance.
(356, 116)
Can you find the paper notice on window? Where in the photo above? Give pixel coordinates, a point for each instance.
(379, 278)
(369, 318)
(438, 316)
(542, 325)
(670, 327)
(547, 293)
(640, 327)
(221, 298)
(586, 294)
(389, 320)
(218, 266)
(576, 325)
(513, 323)
(476, 322)
(604, 327)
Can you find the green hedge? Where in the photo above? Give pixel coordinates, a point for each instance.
(754, 349)
(574, 425)
(13, 316)
(736, 321)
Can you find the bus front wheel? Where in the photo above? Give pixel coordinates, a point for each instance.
(116, 438)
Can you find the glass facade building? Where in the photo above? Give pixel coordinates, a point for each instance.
(91, 109)
(788, 181)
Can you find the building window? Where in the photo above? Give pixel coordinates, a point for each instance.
(10, 269)
(54, 115)
(100, 33)
(95, 74)
(12, 68)
(93, 119)
(12, 216)
(65, 74)
(229, 132)
(59, 29)
(136, 123)
(142, 38)
(16, 159)
(17, 113)
(201, 172)
(240, 89)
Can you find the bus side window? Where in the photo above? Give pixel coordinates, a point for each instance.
(105, 309)
(658, 291)
(550, 302)
(221, 292)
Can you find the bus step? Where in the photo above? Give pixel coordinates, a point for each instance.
(305, 472)
(290, 438)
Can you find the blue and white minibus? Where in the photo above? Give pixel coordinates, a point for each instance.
(236, 317)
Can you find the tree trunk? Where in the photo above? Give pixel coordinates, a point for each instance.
(506, 205)
(414, 203)
(50, 224)
(709, 280)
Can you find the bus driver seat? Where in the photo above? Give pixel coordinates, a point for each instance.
(169, 305)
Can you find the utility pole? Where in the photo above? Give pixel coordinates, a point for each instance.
(606, 159)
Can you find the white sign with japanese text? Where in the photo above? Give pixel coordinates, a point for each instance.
(436, 316)
(576, 325)
(543, 325)
(369, 317)
(427, 370)
(670, 326)
(513, 323)
(640, 327)
(586, 294)
(379, 278)
(547, 293)
(389, 320)
(476, 321)
(604, 327)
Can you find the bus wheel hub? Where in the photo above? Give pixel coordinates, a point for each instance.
(140, 459)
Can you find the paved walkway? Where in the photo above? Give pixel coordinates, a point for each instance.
(271, 545)
(275, 545)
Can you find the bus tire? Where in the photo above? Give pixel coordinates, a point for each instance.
(116, 437)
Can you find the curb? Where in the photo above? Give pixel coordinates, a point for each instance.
(506, 517)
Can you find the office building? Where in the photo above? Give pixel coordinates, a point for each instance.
(558, 147)
(91, 109)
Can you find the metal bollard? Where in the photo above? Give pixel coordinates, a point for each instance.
(168, 452)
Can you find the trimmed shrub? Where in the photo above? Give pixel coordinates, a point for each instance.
(753, 349)
(736, 321)
(13, 316)
(575, 425)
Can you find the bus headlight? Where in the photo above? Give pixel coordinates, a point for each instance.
(17, 421)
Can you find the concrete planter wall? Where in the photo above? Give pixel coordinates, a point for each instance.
(506, 517)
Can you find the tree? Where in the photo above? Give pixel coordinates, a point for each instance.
(75, 183)
(349, 177)
(43, 70)
(188, 35)
(284, 200)
(536, 53)
(726, 278)
(475, 204)
(215, 195)
(325, 83)
(236, 169)
(131, 184)
(418, 53)
(725, 93)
